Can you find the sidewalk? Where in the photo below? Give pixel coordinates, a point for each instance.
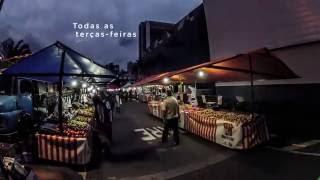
(262, 164)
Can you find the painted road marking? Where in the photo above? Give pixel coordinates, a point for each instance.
(151, 133)
(301, 145)
(294, 147)
(83, 175)
(146, 135)
(155, 131)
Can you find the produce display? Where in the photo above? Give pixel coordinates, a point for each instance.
(236, 130)
(70, 132)
(82, 118)
(88, 112)
(234, 117)
(77, 125)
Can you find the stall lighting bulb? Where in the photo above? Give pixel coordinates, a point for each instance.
(201, 74)
(166, 80)
(74, 83)
(84, 85)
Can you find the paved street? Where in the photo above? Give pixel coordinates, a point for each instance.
(138, 154)
(134, 157)
(262, 164)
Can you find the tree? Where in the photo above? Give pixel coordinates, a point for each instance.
(10, 49)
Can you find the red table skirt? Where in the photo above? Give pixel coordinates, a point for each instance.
(64, 149)
(231, 135)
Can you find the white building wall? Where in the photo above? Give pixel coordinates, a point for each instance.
(240, 26)
(236, 26)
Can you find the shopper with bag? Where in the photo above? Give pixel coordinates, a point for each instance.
(171, 118)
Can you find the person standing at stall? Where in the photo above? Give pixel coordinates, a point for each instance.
(171, 118)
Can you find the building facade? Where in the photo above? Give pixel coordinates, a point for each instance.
(167, 47)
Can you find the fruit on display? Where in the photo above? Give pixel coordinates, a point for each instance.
(89, 112)
(74, 128)
(234, 117)
(185, 106)
(89, 109)
(77, 125)
(75, 133)
(83, 119)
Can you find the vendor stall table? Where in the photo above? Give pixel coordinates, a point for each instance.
(235, 135)
(65, 149)
(243, 134)
(145, 97)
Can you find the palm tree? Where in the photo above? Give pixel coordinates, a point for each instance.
(10, 49)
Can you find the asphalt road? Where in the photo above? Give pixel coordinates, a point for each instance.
(262, 164)
(138, 154)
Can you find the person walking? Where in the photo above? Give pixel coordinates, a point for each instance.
(130, 95)
(171, 118)
(118, 102)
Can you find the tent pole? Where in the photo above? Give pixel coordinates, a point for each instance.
(13, 81)
(60, 91)
(251, 85)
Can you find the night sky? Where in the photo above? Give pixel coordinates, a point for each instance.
(42, 22)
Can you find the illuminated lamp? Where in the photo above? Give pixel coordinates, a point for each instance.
(74, 83)
(201, 74)
(84, 85)
(166, 80)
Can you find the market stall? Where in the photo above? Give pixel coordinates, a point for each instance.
(237, 130)
(147, 95)
(65, 135)
(74, 145)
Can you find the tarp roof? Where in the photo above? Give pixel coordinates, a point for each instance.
(264, 65)
(128, 84)
(47, 63)
(151, 79)
(112, 86)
